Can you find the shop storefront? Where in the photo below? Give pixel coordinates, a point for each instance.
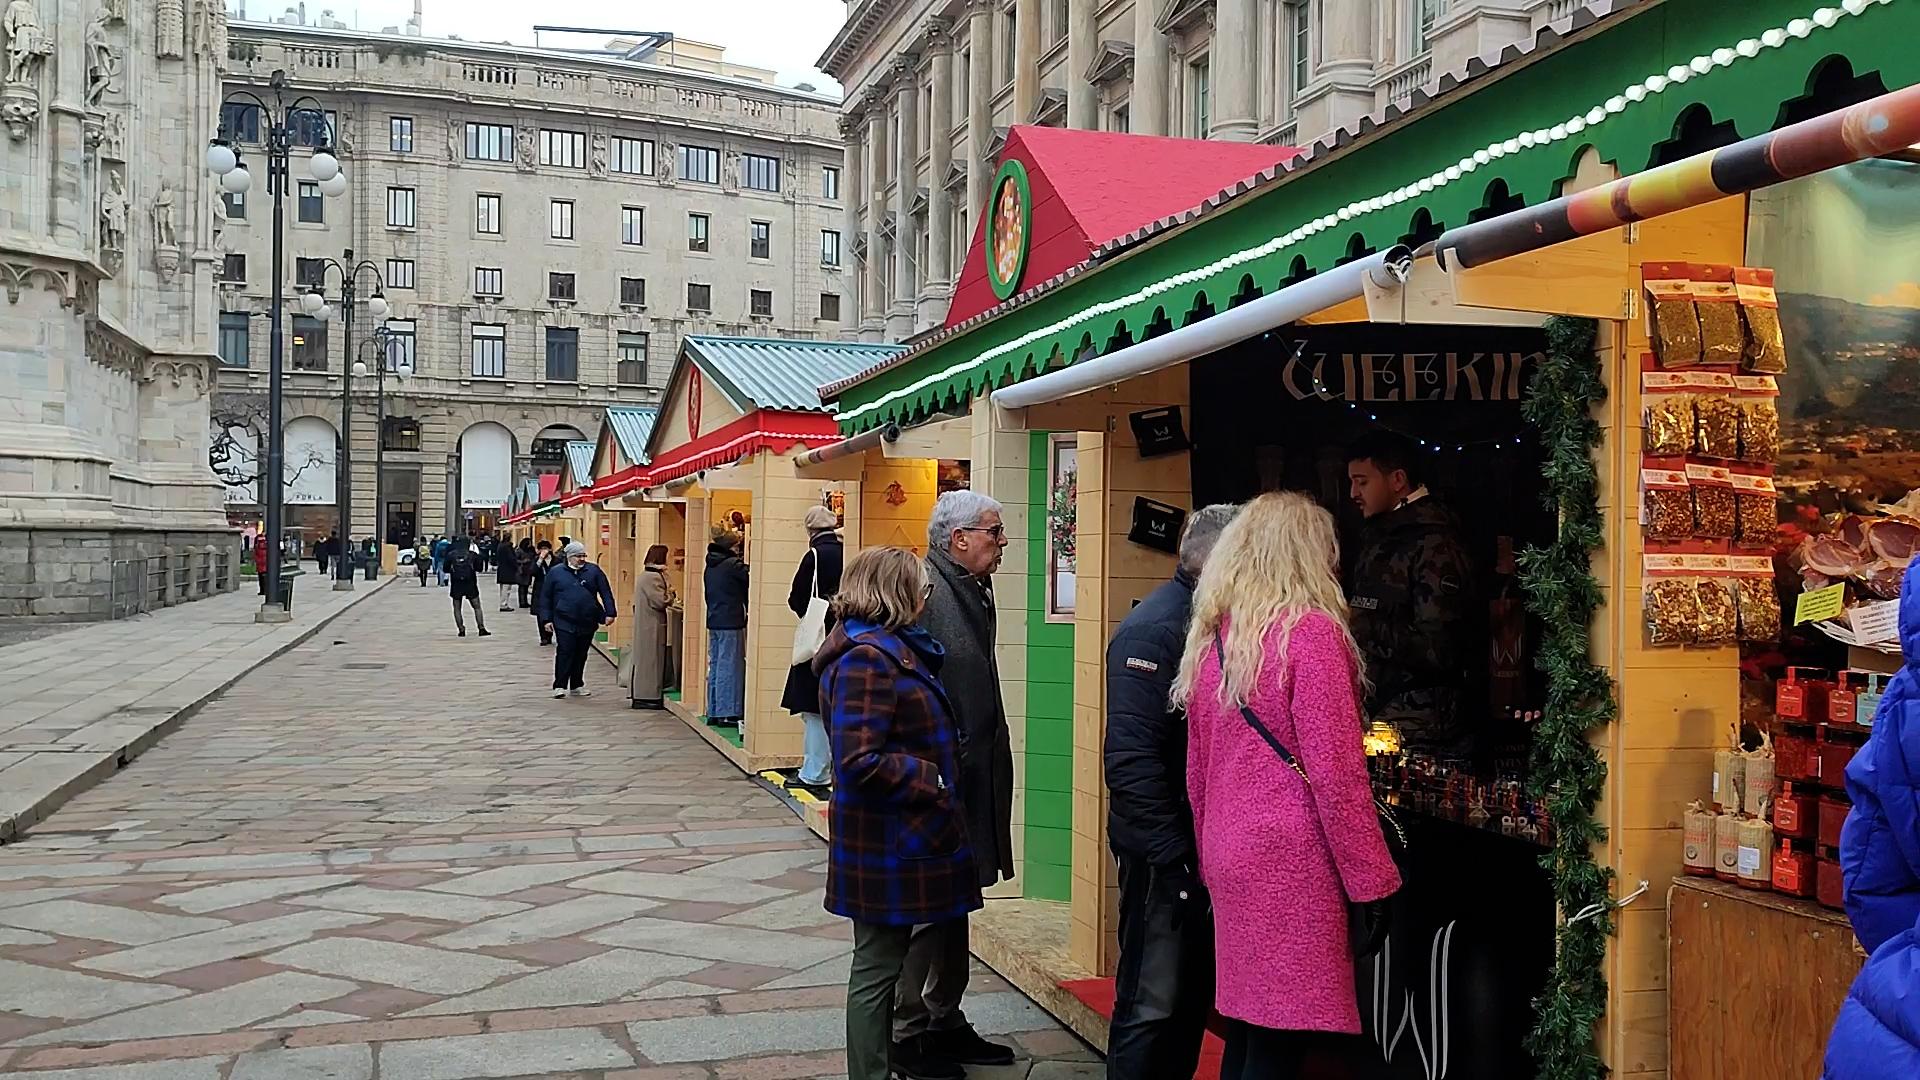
(1240, 347)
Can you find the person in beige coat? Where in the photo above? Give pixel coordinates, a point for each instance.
(652, 595)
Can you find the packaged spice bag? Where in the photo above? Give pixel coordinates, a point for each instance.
(1717, 427)
(1758, 792)
(1756, 509)
(1671, 606)
(1723, 337)
(1719, 619)
(1674, 327)
(1753, 863)
(1766, 345)
(1726, 847)
(1755, 598)
(1697, 853)
(1714, 515)
(1729, 774)
(1757, 396)
(1669, 423)
(1666, 504)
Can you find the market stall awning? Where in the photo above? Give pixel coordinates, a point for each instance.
(765, 429)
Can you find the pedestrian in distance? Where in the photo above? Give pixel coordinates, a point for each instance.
(575, 602)
(422, 560)
(1283, 810)
(1878, 1031)
(646, 661)
(462, 572)
(965, 541)
(543, 561)
(816, 578)
(726, 590)
(897, 851)
(440, 549)
(1163, 988)
(328, 548)
(506, 574)
(260, 563)
(523, 557)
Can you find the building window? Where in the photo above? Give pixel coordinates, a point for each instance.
(697, 239)
(236, 204)
(760, 173)
(489, 142)
(1058, 31)
(700, 164)
(1300, 44)
(400, 134)
(560, 287)
(311, 206)
(489, 281)
(1063, 482)
(400, 433)
(309, 344)
(759, 239)
(560, 219)
(632, 156)
(563, 354)
(233, 338)
(633, 225)
(313, 128)
(699, 297)
(633, 291)
(399, 273)
(760, 303)
(1199, 75)
(489, 351)
(566, 149)
(240, 121)
(1009, 35)
(400, 208)
(632, 368)
(486, 214)
(310, 273)
(233, 268)
(1120, 118)
(829, 247)
(829, 307)
(1425, 14)
(830, 182)
(400, 345)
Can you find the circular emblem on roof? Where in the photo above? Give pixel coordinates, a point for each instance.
(1009, 226)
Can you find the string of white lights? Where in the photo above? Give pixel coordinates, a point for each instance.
(1521, 142)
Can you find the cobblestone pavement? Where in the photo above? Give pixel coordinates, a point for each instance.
(389, 853)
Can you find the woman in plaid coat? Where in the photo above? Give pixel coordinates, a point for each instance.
(898, 850)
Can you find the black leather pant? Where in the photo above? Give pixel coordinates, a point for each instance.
(1163, 990)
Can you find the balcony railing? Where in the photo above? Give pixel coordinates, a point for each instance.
(1409, 77)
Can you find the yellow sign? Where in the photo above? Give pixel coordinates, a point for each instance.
(1820, 604)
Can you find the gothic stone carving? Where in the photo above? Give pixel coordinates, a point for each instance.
(170, 29)
(210, 32)
(103, 56)
(113, 220)
(597, 160)
(28, 47)
(166, 241)
(179, 371)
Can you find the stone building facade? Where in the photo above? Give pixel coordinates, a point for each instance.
(932, 86)
(107, 327)
(547, 225)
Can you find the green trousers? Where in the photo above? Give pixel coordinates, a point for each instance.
(879, 952)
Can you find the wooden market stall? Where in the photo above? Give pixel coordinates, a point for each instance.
(618, 530)
(1081, 371)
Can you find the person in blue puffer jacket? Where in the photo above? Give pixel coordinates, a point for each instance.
(1878, 1033)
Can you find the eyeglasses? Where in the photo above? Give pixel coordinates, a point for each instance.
(928, 593)
(998, 532)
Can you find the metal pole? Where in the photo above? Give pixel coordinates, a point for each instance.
(380, 458)
(274, 478)
(343, 572)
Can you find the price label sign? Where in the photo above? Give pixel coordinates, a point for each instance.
(1820, 604)
(1875, 623)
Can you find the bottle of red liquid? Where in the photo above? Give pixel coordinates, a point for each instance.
(1793, 871)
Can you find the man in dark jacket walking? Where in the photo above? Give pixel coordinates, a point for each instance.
(463, 583)
(965, 540)
(725, 584)
(575, 601)
(1163, 989)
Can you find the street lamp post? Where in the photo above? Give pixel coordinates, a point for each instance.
(223, 160)
(314, 302)
(382, 340)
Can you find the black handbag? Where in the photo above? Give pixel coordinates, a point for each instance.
(1360, 917)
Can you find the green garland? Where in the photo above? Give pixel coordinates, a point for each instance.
(1567, 773)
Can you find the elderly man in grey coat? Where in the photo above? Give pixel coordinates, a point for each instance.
(965, 540)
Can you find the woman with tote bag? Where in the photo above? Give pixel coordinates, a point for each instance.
(814, 584)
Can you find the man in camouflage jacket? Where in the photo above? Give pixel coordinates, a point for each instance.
(1411, 593)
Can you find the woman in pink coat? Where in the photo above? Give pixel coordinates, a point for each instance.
(1281, 857)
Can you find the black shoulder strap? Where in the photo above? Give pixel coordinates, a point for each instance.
(1254, 721)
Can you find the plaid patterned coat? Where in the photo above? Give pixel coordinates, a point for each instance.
(898, 853)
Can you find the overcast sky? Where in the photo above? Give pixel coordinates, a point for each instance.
(786, 35)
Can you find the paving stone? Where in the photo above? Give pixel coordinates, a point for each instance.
(676, 988)
(352, 1062)
(104, 922)
(1066, 1070)
(797, 912)
(739, 1035)
(1005, 1013)
(614, 975)
(680, 887)
(763, 865)
(32, 990)
(310, 1018)
(633, 842)
(832, 972)
(514, 1053)
(277, 860)
(394, 963)
(58, 871)
(497, 849)
(426, 905)
(230, 894)
(246, 939)
(735, 943)
(506, 879)
(16, 897)
(217, 1010)
(769, 834)
(10, 936)
(544, 923)
(204, 1068)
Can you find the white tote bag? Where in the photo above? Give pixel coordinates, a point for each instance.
(812, 631)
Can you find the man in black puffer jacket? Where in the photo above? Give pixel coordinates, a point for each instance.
(575, 601)
(1163, 990)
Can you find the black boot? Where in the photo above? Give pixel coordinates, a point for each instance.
(912, 1060)
(965, 1046)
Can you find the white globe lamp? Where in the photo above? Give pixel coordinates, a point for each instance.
(323, 165)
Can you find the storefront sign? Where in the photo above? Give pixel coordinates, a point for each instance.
(1382, 377)
(1009, 228)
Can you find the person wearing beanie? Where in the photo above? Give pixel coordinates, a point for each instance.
(575, 601)
(725, 581)
(818, 576)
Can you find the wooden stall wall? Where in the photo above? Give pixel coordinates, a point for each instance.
(693, 669)
(896, 499)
